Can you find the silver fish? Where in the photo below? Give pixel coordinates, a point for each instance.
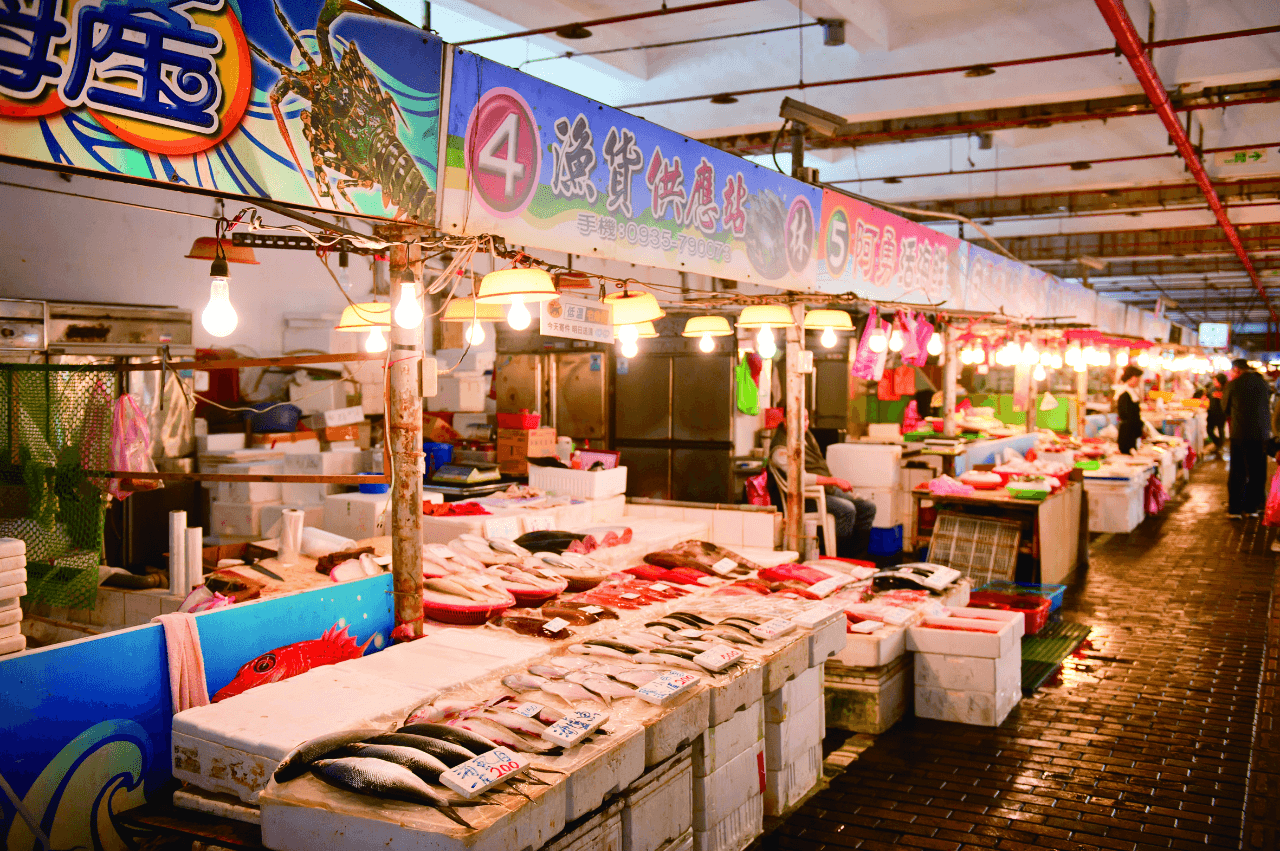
(569, 692)
(419, 762)
(501, 735)
(503, 545)
(603, 686)
(297, 761)
(524, 682)
(551, 672)
(604, 650)
(383, 779)
(667, 661)
(514, 721)
(638, 677)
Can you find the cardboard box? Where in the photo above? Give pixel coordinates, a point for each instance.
(330, 463)
(240, 519)
(356, 515)
(516, 446)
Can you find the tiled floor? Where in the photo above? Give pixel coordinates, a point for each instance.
(1160, 734)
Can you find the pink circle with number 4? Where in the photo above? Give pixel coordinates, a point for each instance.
(503, 152)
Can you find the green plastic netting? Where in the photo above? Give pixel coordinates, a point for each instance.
(55, 435)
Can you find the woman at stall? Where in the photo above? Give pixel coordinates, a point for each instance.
(1128, 408)
(1217, 414)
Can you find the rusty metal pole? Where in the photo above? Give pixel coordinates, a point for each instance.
(793, 534)
(404, 439)
(1082, 396)
(950, 375)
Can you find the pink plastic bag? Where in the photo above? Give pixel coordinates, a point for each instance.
(869, 365)
(1271, 517)
(130, 449)
(921, 334)
(758, 490)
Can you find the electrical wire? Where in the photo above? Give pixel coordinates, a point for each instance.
(577, 55)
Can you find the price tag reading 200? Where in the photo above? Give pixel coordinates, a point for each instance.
(574, 727)
(483, 772)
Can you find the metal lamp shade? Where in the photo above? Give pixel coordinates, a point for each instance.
(206, 248)
(766, 316)
(707, 326)
(363, 316)
(506, 285)
(634, 308)
(823, 319)
(465, 309)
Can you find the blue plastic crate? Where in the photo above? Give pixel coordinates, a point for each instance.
(1054, 593)
(886, 542)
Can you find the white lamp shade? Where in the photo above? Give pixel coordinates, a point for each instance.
(465, 309)
(822, 319)
(646, 331)
(766, 316)
(707, 326)
(363, 316)
(633, 308)
(506, 285)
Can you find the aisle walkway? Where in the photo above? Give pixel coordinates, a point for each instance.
(1157, 736)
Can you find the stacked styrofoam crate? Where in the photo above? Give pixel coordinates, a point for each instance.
(658, 808)
(13, 578)
(728, 781)
(794, 725)
(874, 470)
(599, 831)
(237, 507)
(970, 677)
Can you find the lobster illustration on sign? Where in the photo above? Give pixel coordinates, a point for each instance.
(351, 124)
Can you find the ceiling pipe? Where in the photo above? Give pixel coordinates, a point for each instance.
(951, 69)
(1130, 44)
(616, 19)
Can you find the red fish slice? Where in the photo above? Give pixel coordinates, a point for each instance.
(652, 572)
(284, 662)
(797, 572)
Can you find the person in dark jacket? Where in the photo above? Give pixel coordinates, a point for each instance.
(1247, 403)
(1128, 409)
(1217, 415)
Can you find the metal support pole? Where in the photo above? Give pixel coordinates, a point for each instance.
(1032, 407)
(1082, 395)
(797, 150)
(950, 374)
(404, 439)
(793, 534)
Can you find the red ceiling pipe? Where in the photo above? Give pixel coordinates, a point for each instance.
(616, 19)
(1130, 44)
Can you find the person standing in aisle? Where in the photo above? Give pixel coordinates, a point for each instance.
(1247, 403)
(1217, 415)
(1128, 409)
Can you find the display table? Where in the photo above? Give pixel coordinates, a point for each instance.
(966, 456)
(1051, 527)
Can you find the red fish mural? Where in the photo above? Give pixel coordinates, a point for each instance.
(293, 659)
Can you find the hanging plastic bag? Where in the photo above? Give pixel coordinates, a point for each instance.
(887, 389)
(130, 449)
(864, 362)
(1271, 517)
(748, 392)
(758, 490)
(906, 323)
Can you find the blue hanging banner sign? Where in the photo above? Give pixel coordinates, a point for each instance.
(307, 102)
(547, 168)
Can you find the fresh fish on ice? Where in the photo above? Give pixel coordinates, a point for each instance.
(449, 733)
(297, 761)
(381, 779)
(603, 686)
(447, 752)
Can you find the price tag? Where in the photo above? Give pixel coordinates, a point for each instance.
(483, 772)
(717, 658)
(528, 709)
(574, 727)
(555, 624)
(502, 527)
(826, 586)
(815, 614)
(895, 616)
(772, 629)
(864, 627)
(724, 566)
(660, 587)
(661, 689)
(536, 524)
(440, 551)
(592, 610)
(630, 596)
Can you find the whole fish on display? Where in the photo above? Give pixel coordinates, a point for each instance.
(381, 779)
(502, 736)
(604, 687)
(447, 752)
(699, 555)
(548, 541)
(533, 627)
(297, 761)
(334, 646)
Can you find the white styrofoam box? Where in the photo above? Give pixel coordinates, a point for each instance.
(726, 527)
(682, 723)
(734, 691)
(1017, 618)
(9, 630)
(785, 742)
(884, 432)
(250, 491)
(13, 548)
(786, 786)
(306, 493)
(866, 700)
(460, 392)
(735, 832)
(793, 696)
(609, 772)
(433, 497)
(233, 746)
(970, 673)
(328, 463)
(575, 514)
(608, 510)
(580, 484)
(866, 465)
(13, 644)
(1114, 506)
(229, 442)
(315, 397)
(312, 515)
(356, 515)
(886, 503)
(925, 639)
(980, 708)
(717, 795)
(787, 662)
(372, 400)
(720, 744)
(10, 615)
(659, 806)
(826, 640)
(872, 649)
(13, 576)
(601, 832)
(758, 529)
(235, 518)
(684, 842)
(13, 592)
(342, 416)
(468, 360)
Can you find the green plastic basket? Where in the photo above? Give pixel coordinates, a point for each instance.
(1088, 464)
(71, 581)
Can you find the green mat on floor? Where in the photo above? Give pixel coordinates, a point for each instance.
(1044, 652)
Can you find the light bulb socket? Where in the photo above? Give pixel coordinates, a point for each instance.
(218, 268)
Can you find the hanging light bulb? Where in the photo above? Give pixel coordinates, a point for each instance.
(1056, 362)
(518, 316)
(1143, 360)
(1073, 356)
(1081, 366)
(766, 347)
(408, 313)
(1089, 356)
(706, 344)
(1046, 358)
(1104, 357)
(1038, 373)
(628, 333)
(375, 341)
(878, 342)
(935, 344)
(828, 337)
(219, 317)
(1122, 357)
(1029, 354)
(896, 341)
(475, 334)
(630, 348)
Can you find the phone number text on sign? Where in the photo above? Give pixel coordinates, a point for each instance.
(650, 236)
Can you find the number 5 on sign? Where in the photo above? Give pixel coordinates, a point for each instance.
(503, 152)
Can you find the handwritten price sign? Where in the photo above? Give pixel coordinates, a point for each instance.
(658, 691)
(575, 727)
(718, 658)
(478, 775)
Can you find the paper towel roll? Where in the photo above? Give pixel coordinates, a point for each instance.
(318, 542)
(291, 520)
(177, 552)
(195, 556)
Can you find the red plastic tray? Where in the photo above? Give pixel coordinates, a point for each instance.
(1035, 610)
(523, 420)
